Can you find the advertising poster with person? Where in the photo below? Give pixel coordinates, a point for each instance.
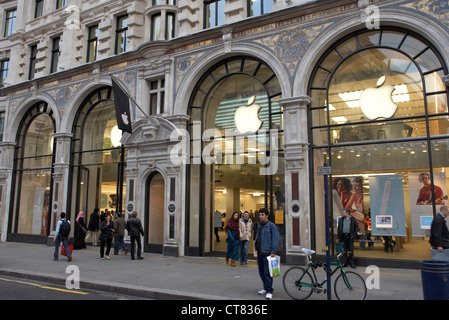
(422, 198)
(347, 192)
(387, 205)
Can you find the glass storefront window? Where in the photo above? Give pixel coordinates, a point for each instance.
(33, 172)
(233, 182)
(98, 167)
(380, 119)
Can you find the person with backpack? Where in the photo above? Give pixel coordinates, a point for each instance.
(62, 235)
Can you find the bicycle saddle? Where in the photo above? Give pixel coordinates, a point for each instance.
(307, 251)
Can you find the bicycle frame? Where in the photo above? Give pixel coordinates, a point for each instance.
(312, 266)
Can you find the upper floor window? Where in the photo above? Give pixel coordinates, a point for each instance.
(157, 96)
(60, 4)
(55, 53)
(214, 13)
(156, 27)
(121, 38)
(92, 43)
(39, 8)
(2, 124)
(10, 23)
(258, 7)
(33, 55)
(169, 26)
(4, 67)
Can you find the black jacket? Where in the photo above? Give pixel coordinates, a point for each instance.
(134, 227)
(94, 222)
(106, 231)
(439, 234)
(354, 228)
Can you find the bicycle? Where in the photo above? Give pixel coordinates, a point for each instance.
(299, 283)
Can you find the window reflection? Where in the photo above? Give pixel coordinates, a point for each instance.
(33, 172)
(380, 146)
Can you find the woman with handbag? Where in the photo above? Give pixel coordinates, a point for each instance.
(107, 233)
(80, 232)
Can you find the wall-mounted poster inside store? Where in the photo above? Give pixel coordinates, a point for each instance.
(347, 192)
(387, 205)
(421, 198)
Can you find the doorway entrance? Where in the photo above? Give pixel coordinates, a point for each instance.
(237, 124)
(97, 157)
(154, 220)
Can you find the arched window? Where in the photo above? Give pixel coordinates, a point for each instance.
(32, 175)
(232, 109)
(97, 162)
(379, 118)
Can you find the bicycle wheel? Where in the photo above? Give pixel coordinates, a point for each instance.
(298, 283)
(350, 286)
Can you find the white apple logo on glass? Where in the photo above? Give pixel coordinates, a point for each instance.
(377, 102)
(125, 118)
(246, 118)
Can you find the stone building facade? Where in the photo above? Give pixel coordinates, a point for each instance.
(190, 65)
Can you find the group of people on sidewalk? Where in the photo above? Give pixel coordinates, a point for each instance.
(109, 230)
(266, 240)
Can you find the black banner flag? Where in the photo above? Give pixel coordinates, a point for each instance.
(122, 111)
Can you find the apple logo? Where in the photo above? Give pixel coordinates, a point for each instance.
(246, 118)
(377, 102)
(125, 118)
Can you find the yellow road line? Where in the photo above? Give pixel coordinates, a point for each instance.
(43, 287)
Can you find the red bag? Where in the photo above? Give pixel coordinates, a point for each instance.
(63, 253)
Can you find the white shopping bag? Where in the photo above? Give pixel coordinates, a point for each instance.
(440, 256)
(274, 264)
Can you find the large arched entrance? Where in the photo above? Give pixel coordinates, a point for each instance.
(30, 216)
(97, 156)
(379, 117)
(236, 157)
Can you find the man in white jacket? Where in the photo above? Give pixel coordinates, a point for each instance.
(245, 227)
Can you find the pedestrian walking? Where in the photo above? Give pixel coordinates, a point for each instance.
(217, 224)
(93, 227)
(107, 233)
(134, 227)
(439, 234)
(245, 230)
(232, 229)
(80, 232)
(62, 235)
(347, 231)
(119, 235)
(266, 243)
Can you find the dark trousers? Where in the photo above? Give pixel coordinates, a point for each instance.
(264, 273)
(348, 246)
(108, 247)
(133, 246)
(65, 243)
(216, 233)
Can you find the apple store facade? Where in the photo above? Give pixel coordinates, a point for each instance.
(379, 118)
(241, 117)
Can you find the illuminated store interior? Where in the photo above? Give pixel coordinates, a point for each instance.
(380, 119)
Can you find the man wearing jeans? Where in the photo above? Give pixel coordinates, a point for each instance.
(62, 235)
(266, 243)
(348, 229)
